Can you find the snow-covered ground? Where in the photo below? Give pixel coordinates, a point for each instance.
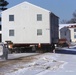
(44, 63)
(49, 64)
(18, 55)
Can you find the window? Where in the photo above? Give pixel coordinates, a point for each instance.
(39, 17)
(74, 30)
(11, 32)
(65, 33)
(39, 31)
(11, 17)
(75, 36)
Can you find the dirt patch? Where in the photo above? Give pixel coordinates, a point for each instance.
(15, 64)
(16, 61)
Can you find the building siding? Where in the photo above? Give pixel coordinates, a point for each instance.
(25, 24)
(69, 30)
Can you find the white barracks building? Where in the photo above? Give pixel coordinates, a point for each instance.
(28, 23)
(68, 31)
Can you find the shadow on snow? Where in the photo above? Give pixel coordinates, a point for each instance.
(66, 51)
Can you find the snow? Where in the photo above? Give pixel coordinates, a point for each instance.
(1, 50)
(64, 25)
(71, 48)
(42, 65)
(48, 64)
(18, 55)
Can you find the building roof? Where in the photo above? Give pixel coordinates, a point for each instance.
(73, 25)
(25, 3)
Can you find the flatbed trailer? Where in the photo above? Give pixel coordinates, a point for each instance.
(21, 48)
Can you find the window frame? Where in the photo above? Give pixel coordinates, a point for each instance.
(39, 32)
(11, 32)
(39, 17)
(11, 17)
(74, 35)
(74, 29)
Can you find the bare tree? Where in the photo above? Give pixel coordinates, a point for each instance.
(72, 20)
(63, 22)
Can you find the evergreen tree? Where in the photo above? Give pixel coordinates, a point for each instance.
(3, 4)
